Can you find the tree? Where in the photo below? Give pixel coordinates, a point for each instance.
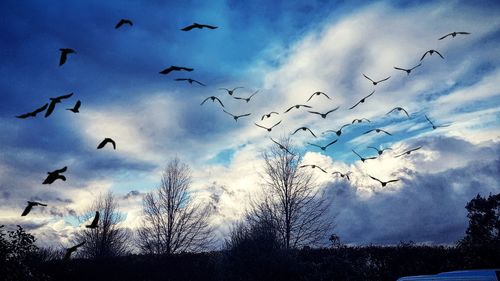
(17, 252)
(172, 221)
(291, 202)
(108, 239)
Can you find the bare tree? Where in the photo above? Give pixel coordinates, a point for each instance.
(108, 239)
(291, 203)
(172, 221)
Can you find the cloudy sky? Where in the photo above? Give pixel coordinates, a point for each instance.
(286, 50)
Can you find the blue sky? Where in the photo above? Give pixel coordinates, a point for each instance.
(285, 49)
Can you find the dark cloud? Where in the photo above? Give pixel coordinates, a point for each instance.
(133, 194)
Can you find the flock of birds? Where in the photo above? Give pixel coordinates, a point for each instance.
(58, 174)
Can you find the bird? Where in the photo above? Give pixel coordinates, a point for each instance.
(317, 94)
(268, 129)
(408, 152)
(360, 120)
(408, 70)
(247, 99)
(304, 129)
(55, 175)
(430, 52)
(31, 204)
(268, 115)
(175, 68)
(346, 175)
(75, 108)
(33, 113)
(380, 151)
(339, 132)
(323, 115)
(106, 141)
(314, 167)
(94, 222)
(378, 131)
(282, 146)
(383, 183)
(64, 55)
(362, 100)
(53, 102)
(213, 98)
(190, 81)
(323, 147)
(122, 22)
(453, 34)
(237, 116)
(362, 158)
(436, 126)
(297, 106)
(399, 109)
(197, 25)
(231, 92)
(375, 82)
(70, 250)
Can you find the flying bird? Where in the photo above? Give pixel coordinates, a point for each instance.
(323, 115)
(339, 132)
(453, 34)
(231, 92)
(213, 98)
(430, 52)
(33, 113)
(346, 175)
(408, 70)
(378, 131)
(383, 183)
(247, 99)
(297, 106)
(190, 81)
(408, 152)
(122, 22)
(94, 222)
(237, 116)
(375, 82)
(304, 129)
(71, 250)
(197, 25)
(380, 151)
(362, 100)
(317, 94)
(54, 101)
(64, 55)
(106, 141)
(362, 158)
(314, 167)
(268, 129)
(282, 146)
(31, 204)
(323, 147)
(75, 108)
(175, 68)
(399, 109)
(360, 120)
(436, 126)
(268, 115)
(55, 175)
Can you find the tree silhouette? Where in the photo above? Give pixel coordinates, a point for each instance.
(17, 251)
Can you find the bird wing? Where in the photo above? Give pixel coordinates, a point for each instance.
(186, 68)
(102, 144)
(96, 218)
(253, 94)
(357, 153)
(261, 126)
(311, 97)
(64, 96)
(367, 77)
(391, 110)
(330, 111)
(297, 130)
(120, 23)
(78, 104)
(373, 92)
(314, 144)
(429, 120)
(303, 105)
(219, 101)
(239, 98)
(311, 132)
(49, 111)
(112, 142)
(424, 55)
(398, 68)
(289, 109)
(24, 116)
(27, 209)
(345, 125)
(62, 170)
(188, 28)
(167, 70)
(49, 179)
(204, 101)
(368, 131)
(375, 179)
(373, 148)
(276, 124)
(181, 79)
(406, 112)
(321, 169)
(416, 66)
(439, 54)
(38, 110)
(199, 82)
(244, 115)
(331, 143)
(62, 58)
(392, 181)
(463, 32)
(355, 105)
(385, 132)
(444, 36)
(208, 26)
(383, 79)
(228, 112)
(314, 112)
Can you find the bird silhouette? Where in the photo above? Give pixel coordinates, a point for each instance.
(75, 108)
(399, 109)
(363, 159)
(55, 175)
(213, 98)
(408, 70)
(323, 115)
(304, 129)
(378, 131)
(430, 52)
(197, 25)
(408, 152)
(346, 175)
(268, 115)
(360, 120)
(122, 22)
(297, 106)
(453, 34)
(375, 82)
(436, 126)
(106, 141)
(282, 146)
(64, 55)
(31, 204)
(235, 117)
(190, 81)
(383, 183)
(230, 92)
(54, 101)
(339, 131)
(380, 151)
(268, 129)
(94, 222)
(71, 250)
(33, 113)
(317, 94)
(323, 147)
(313, 167)
(362, 100)
(247, 99)
(175, 68)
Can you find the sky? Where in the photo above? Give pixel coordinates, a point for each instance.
(285, 50)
